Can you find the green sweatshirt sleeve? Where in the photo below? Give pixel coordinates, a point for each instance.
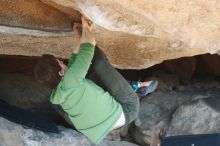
(79, 68)
(72, 59)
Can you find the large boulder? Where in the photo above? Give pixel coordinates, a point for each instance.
(154, 116)
(177, 111)
(133, 34)
(200, 117)
(141, 34)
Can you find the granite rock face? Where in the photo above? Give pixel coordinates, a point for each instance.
(150, 31)
(133, 34)
(154, 116)
(31, 28)
(177, 109)
(33, 14)
(199, 117)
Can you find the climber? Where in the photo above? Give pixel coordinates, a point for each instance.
(94, 106)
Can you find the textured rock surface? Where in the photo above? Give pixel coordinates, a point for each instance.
(23, 91)
(196, 118)
(147, 33)
(162, 112)
(151, 31)
(34, 15)
(31, 28)
(18, 41)
(184, 68)
(154, 116)
(12, 134)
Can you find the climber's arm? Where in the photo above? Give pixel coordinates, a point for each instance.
(76, 27)
(79, 68)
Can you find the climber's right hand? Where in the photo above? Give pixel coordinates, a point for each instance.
(87, 36)
(76, 29)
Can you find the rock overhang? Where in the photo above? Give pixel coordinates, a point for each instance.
(146, 34)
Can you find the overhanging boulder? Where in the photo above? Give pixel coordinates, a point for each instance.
(133, 34)
(147, 32)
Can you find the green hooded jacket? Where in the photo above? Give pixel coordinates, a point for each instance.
(92, 110)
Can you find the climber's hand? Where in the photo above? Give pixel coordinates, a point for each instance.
(87, 36)
(76, 29)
